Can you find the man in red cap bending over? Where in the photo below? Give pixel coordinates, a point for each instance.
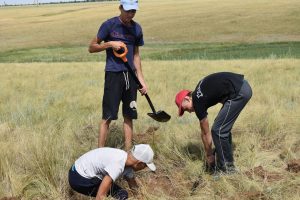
(229, 89)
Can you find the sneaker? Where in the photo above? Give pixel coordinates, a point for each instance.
(229, 168)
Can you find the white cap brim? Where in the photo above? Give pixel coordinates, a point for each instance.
(130, 7)
(151, 166)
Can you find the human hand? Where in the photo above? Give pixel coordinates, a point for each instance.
(117, 45)
(144, 89)
(210, 159)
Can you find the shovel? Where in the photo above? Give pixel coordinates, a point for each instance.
(160, 116)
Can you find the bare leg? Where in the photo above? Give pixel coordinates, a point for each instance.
(128, 132)
(104, 126)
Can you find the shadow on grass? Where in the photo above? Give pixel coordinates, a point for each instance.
(115, 137)
(194, 151)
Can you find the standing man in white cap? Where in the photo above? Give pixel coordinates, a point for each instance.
(95, 172)
(119, 85)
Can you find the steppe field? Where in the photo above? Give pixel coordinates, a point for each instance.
(51, 95)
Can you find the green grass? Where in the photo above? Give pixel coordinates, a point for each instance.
(161, 51)
(216, 51)
(50, 54)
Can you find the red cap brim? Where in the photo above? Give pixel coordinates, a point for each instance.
(179, 99)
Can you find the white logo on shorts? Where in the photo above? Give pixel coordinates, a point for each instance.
(133, 105)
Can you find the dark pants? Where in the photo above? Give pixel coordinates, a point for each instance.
(90, 187)
(221, 129)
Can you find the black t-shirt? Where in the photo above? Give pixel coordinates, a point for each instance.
(215, 88)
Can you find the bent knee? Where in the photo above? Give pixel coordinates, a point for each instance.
(219, 132)
(215, 130)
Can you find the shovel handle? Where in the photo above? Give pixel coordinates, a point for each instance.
(140, 85)
(123, 51)
(122, 54)
(150, 103)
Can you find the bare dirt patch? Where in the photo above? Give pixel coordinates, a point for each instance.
(162, 183)
(146, 136)
(264, 174)
(252, 196)
(272, 143)
(293, 166)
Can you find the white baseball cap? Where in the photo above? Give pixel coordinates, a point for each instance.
(144, 153)
(129, 4)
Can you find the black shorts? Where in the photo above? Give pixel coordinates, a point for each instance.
(119, 86)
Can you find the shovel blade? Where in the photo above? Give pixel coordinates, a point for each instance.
(160, 116)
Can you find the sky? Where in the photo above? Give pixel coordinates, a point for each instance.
(17, 2)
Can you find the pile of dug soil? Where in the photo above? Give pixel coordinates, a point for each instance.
(293, 166)
(264, 174)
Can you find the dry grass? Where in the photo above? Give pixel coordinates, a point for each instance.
(49, 115)
(49, 112)
(162, 21)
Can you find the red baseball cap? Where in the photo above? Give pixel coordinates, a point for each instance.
(179, 99)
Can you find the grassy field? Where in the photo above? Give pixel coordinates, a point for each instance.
(50, 113)
(175, 51)
(207, 29)
(51, 91)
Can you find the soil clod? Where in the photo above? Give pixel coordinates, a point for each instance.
(293, 166)
(264, 174)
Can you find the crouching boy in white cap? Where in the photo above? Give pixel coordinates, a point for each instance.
(95, 172)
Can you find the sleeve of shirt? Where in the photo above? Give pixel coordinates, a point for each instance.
(201, 115)
(140, 38)
(200, 109)
(114, 171)
(103, 31)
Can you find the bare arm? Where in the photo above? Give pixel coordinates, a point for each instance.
(104, 188)
(207, 140)
(138, 67)
(97, 45)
